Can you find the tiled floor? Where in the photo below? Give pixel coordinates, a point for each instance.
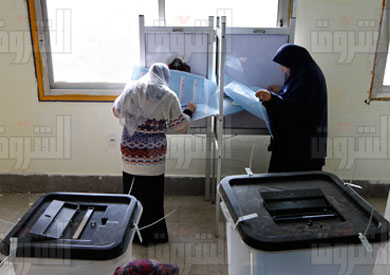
(193, 245)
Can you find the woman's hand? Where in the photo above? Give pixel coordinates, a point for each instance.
(275, 88)
(191, 106)
(263, 95)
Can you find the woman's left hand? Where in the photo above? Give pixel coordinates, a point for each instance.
(191, 106)
(264, 95)
(275, 88)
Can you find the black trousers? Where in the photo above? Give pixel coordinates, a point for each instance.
(149, 190)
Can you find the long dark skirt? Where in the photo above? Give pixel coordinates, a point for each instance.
(279, 163)
(149, 190)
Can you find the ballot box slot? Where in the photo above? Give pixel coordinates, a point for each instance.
(299, 205)
(55, 220)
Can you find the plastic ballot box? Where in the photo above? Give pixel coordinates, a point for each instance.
(74, 233)
(299, 223)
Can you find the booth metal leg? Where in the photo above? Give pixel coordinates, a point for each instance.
(217, 201)
(213, 170)
(208, 160)
(219, 172)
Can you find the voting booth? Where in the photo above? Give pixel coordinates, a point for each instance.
(239, 59)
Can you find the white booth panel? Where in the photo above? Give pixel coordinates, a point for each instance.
(160, 46)
(249, 58)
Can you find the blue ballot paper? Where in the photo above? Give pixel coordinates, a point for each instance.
(246, 98)
(205, 94)
(231, 107)
(191, 87)
(138, 72)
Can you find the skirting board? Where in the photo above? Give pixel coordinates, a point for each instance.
(174, 186)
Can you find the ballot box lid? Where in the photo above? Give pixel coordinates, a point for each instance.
(76, 226)
(299, 210)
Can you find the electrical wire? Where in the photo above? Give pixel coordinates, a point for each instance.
(353, 172)
(131, 186)
(369, 221)
(251, 158)
(3, 261)
(149, 225)
(7, 222)
(372, 209)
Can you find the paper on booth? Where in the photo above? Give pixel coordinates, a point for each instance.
(246, 98)
(190, 87)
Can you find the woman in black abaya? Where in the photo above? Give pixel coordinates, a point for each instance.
(297, 112)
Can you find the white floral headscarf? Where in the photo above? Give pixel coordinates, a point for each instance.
(140, 98)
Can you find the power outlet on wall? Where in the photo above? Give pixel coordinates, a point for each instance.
(112, 140)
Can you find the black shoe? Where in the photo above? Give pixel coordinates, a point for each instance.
(159, 238)
(147, 239)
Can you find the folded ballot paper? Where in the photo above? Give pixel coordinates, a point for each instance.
(246, 98)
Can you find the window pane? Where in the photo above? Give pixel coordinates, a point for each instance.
(386, 79)
(243, 13)
(96, 40)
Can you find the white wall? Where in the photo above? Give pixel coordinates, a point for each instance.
(348, 80)
(92, 123)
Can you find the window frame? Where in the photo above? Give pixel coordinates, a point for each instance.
(378, 91)
(89, 92)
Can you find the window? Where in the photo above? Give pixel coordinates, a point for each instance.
(244, 13)
(86, 50)
(103, 38)
(89, 46)
(380, 86)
